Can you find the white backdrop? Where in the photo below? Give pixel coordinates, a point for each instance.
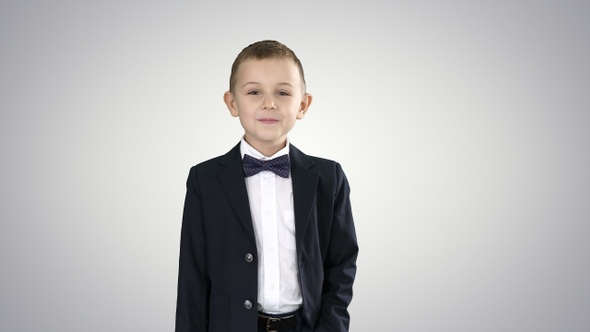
(474, 214)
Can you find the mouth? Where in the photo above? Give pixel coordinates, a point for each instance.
(268, 120)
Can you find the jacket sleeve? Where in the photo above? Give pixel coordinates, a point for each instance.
(193, 281)
(340, 262)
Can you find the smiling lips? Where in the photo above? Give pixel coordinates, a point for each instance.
(268, 120)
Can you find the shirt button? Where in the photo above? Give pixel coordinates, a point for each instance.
(248, 304)
(249, 257)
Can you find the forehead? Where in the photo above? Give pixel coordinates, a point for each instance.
(268, 70)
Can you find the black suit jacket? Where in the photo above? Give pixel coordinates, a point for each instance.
(217, 277)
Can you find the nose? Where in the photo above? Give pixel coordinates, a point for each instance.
(268, 104)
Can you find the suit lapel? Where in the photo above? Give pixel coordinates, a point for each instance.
(304, 190)
(231, 177)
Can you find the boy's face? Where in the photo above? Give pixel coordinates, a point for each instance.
(268, 97)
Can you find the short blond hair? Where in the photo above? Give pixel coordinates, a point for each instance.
(265, 49)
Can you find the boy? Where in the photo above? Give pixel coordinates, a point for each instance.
(268, 241)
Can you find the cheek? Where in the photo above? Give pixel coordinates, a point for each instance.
(291, 122)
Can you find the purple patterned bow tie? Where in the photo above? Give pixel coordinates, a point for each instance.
(279, 165)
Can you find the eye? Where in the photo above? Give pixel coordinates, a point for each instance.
(253, 92)
(283, 93)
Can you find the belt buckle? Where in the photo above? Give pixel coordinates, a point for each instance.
(270, 320)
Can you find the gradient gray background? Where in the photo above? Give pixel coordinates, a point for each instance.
(477, 217)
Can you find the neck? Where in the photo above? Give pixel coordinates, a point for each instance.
(269, 149)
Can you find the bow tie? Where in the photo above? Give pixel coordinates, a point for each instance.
(280, 165)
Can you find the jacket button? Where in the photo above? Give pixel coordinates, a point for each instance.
(249, 258)
(248, 304)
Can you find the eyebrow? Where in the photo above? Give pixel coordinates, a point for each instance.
(257, 83)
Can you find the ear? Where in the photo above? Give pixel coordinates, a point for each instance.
(230, 102)
(304, 105)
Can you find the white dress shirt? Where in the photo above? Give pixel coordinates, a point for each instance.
(271, 205)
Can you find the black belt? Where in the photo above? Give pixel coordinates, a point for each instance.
(277, 323)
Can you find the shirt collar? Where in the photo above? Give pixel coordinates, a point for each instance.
(248, 149)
